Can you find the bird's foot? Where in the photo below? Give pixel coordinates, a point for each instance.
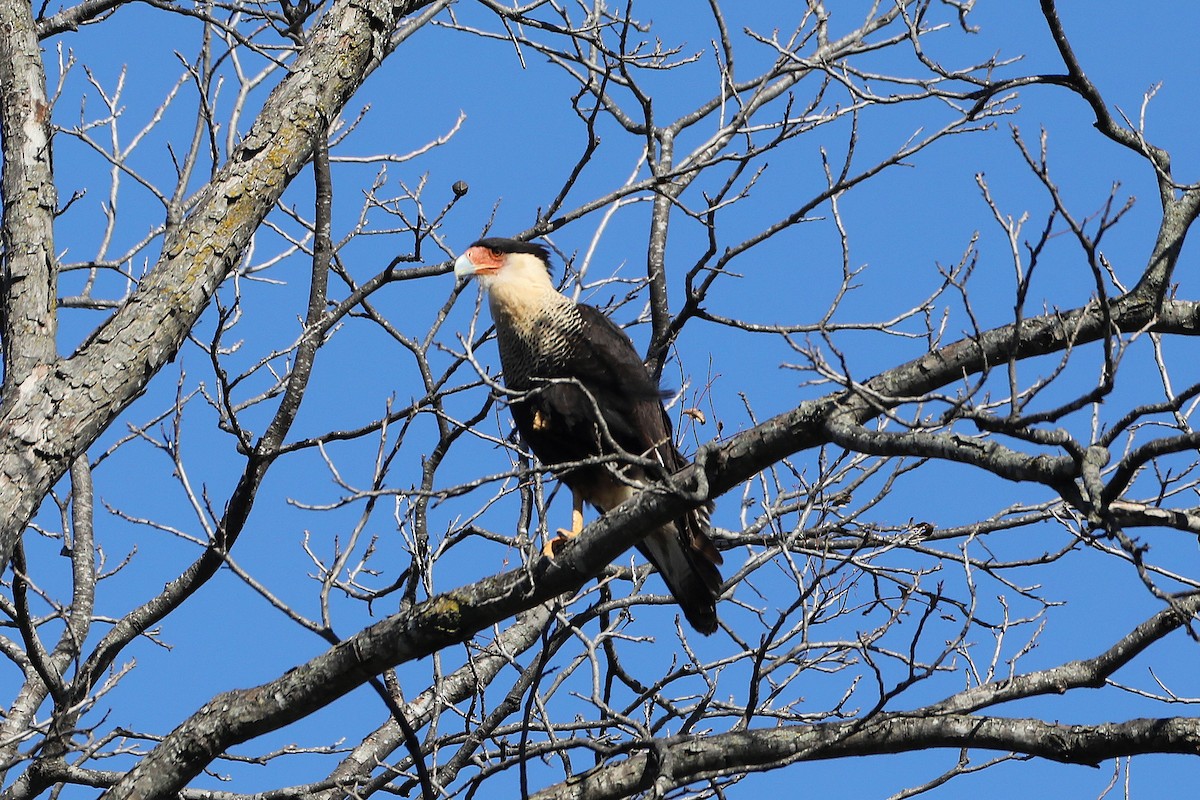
(556, 544)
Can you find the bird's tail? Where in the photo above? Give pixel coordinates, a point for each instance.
(686, 558)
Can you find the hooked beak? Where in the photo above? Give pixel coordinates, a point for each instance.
(464, 267)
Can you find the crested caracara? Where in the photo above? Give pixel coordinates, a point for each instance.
(585, 393)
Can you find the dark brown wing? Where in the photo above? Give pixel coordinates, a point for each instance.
(605, 380)
(597, 401)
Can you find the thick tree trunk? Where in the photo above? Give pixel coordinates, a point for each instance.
(29, 290)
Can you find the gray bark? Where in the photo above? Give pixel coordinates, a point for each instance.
(30, 281)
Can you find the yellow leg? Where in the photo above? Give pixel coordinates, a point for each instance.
(554, 545)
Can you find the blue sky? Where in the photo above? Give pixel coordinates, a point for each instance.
(516, 140)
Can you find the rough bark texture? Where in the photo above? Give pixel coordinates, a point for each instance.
(29, 290)
(685, 759)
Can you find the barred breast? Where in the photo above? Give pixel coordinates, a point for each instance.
(539, 348)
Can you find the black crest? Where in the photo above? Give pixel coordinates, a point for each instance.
(503, 245)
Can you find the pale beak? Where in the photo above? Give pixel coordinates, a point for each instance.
(464, 267)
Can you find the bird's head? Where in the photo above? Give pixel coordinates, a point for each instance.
(506, 263)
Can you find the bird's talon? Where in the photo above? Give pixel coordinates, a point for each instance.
(554, 545)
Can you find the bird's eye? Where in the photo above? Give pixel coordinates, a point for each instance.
(494, 253)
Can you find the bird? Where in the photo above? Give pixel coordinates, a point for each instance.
(581, 393)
